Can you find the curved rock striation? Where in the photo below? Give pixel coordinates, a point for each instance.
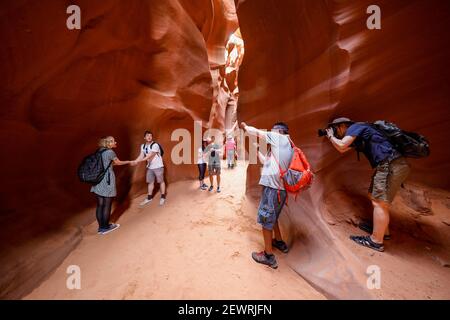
(160, 65)
(134, 65)
(307, 62)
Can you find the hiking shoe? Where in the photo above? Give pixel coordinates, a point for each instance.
(263, 258)
(368, 227)
(280, 245)
(366, 241)
(210, 188)
(162, 201)
(111, 228)
(218, 189)
(144, 202)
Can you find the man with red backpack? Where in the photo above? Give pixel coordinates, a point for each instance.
(277, 164)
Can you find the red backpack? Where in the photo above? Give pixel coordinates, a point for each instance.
(298, 176)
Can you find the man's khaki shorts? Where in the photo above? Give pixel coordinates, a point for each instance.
(155, 174)
(388, 178)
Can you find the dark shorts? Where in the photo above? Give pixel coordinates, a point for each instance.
(214, 169)
(388, 178)
(269, 207)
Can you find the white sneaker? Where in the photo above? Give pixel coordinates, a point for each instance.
(162, 201)
(146, 200)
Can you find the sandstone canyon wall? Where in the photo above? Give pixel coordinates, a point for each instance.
(134, 65)
(307, 62)
(156, 64)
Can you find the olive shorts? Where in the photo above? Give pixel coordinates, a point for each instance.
(388, 178)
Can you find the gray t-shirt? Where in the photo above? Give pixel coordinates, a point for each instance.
(281, 149)
(216, 158)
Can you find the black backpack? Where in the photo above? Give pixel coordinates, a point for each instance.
(409, 144)
(161, 153)
(91, 170)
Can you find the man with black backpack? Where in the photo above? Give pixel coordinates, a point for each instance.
(385, 146)
(152, 152)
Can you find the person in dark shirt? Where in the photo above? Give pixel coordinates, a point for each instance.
(390, 170)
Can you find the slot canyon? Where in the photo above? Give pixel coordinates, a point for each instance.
(162, 65)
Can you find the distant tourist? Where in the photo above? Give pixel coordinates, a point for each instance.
(201, 163)
(213, 151)
(230, 151)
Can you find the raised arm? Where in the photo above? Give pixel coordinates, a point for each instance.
(341, 145)
(253, 131)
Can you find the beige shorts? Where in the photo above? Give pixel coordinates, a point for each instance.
(153, 174)
(388, 178)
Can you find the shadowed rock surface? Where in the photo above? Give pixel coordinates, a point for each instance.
(140, 64)
(307, 62)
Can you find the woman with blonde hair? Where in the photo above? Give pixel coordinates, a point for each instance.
(106, 189)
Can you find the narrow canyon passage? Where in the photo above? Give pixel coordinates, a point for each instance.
(197, 246)
(168, 65)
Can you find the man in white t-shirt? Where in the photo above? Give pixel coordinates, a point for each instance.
(274, 194)
(151, 152)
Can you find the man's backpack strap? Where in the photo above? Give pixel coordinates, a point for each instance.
(151, 146)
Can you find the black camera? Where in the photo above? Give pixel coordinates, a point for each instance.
(323, 132)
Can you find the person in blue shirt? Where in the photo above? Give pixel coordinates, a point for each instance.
(390, 170)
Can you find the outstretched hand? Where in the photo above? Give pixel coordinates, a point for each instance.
(134, 163)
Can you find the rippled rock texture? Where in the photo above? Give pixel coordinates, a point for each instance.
(307, 62)
(134, 65)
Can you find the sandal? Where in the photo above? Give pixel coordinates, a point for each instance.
(366, 241)
(368, 227)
